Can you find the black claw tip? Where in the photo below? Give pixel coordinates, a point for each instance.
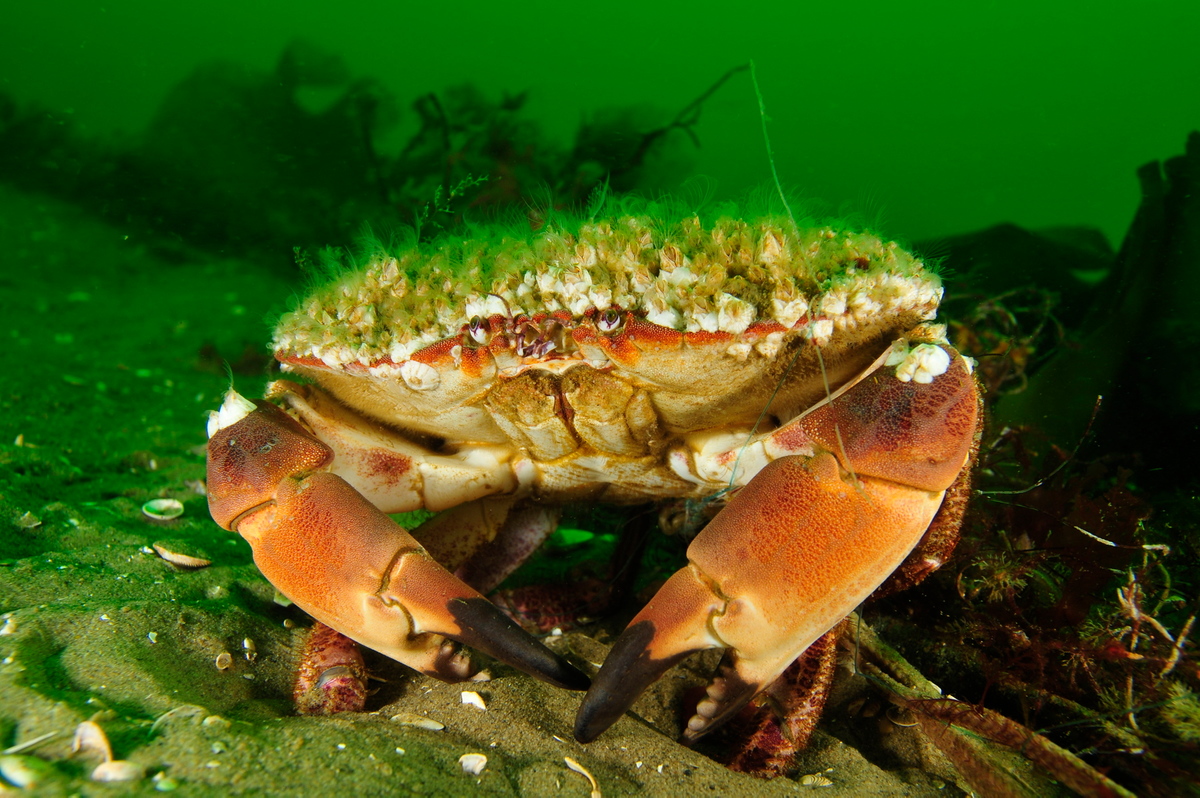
(487, 629)
(627, 671)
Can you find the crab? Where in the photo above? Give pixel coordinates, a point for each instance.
(792, 374)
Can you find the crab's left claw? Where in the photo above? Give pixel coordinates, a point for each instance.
(347, 563)
(798, 548)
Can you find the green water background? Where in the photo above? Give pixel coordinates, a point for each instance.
(930, 118)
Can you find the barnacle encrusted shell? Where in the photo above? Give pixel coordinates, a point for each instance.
(685, 276)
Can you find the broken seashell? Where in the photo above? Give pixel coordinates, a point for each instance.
(22, 770)
(118, 770)
(180, 560)
(29, 521)
(473, 764)
(417, 721)
(90, 738)
(473, 698)
(582, 771)
(162, 509)
(224, 661)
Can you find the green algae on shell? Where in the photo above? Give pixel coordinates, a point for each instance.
(685, 276)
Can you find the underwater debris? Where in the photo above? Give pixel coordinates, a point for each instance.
(91, 739)
(162, 509)
(470, 697)
(417, 722)
(582, 771)
(23, 771)
(185, 562)
(472, 764)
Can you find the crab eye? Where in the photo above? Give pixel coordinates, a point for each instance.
(610, 321)
(478, 330)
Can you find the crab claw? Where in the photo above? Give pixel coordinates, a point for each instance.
(798, 548)
(345, 562)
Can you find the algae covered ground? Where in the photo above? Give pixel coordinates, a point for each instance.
(114, 352)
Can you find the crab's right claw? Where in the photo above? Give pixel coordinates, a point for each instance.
(797, 549)
(345, 562)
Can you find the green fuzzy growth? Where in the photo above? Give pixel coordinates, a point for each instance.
(1182, 713)
(701, 271)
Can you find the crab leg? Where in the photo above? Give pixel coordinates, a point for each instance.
(484, 541)
(345, 562)
(796, 550)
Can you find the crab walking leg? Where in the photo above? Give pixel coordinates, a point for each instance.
(345, 562)
(484, 541)
(796, 550)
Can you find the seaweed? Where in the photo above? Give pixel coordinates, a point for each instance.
(241, 162)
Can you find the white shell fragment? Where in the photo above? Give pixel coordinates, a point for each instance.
(417, 722)
(473, 699)
(23, 771)
(224, 661)
(920, 364)
(233, 409)
(581, 770)
(179, 560)
(162, 509)
(91, 739)
(118, 770)
(472, 764)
